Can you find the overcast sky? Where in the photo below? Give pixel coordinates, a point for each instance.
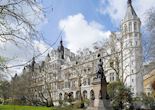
(83, 22)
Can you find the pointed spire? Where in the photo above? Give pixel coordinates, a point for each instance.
(61, 41)
(129, 2)
(48, 55)
(15, 77)
(48, 58)
(42, 63)
(130, 13)
(61, 49)
(33, 62)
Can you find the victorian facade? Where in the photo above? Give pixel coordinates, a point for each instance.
(149, 82)
(63, 72)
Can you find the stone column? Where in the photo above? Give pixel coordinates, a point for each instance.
(99, 104)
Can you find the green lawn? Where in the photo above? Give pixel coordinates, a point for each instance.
(11, 107)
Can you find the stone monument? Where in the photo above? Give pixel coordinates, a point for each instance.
(101, 100)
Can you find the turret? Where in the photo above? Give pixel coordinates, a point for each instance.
(132, 49)
(131, 22)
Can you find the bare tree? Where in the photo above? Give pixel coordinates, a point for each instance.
(150, 24)
(116, 53)
(18, 20)
(44, 92)
(5, 89)
(20, 88)
(2, 65)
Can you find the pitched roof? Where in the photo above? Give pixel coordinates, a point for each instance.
(130, 13)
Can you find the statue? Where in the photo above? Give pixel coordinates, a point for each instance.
(99, 69)
(100, 74)
(99, 97)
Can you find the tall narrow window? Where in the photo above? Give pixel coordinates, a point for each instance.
(130, 27)
(136, 43)
(125, 28)
(112, 77)
(88, 81)
(132, 71)
(132, 80)
(130, 43)
(135, 26)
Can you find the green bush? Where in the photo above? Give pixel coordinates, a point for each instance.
(1, 100)
(7, 101)
(12, 101)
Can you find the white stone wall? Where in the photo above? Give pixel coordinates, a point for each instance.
(61, 74)
(132, 53)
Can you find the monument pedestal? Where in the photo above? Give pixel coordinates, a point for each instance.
(99, 104)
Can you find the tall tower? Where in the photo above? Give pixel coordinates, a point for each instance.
(132, 50)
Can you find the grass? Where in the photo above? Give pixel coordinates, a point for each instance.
(12, 107)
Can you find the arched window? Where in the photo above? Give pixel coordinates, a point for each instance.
(60, 96)
(89, 81)
(85, 94)
(65, 96)
(135, 26)
(84, 82)
(78, 95)
(131, 43)
(92, 95)
(136, 43)
(130, 26)
(70, 96)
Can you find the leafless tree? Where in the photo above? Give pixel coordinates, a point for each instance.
(45, 91)
(115, 56)
(2, 70)
(150, 24)
(18, 20)
(20, 88)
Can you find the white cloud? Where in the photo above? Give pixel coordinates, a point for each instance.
(116, 8)
(80, 33)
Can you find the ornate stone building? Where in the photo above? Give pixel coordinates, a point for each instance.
(149, 82)
(62, 72)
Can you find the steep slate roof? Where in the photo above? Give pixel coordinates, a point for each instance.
(130, 13)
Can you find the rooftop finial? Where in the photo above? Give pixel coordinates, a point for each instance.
(61, 41)
(129, 2)
(61, 49)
